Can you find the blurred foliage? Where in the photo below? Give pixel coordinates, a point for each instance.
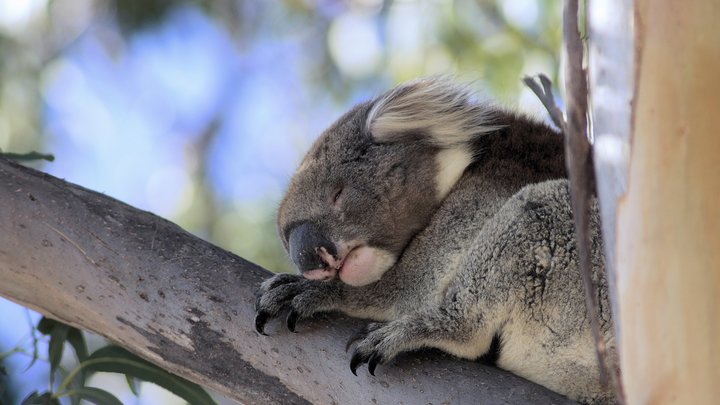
(350, 50)
(475, 39)
(109, 358)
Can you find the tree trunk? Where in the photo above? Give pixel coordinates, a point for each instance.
(661, 211)
(142, 282)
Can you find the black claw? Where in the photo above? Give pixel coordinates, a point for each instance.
(260, 320)
(356, 360)
(373, 362)
(292, 320)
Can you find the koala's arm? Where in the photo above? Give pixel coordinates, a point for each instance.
(304, 298)
(522, 265)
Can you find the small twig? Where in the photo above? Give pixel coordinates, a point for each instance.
(546, 96)
(35, 338)
(580, 171)
(580, 166)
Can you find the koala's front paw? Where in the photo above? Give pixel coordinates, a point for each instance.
(289, 291)
(379, 343)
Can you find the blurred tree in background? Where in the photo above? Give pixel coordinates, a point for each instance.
(200, 110)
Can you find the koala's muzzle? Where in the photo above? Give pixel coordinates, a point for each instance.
(311, 251)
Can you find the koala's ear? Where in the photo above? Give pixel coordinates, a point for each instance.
(436, 109)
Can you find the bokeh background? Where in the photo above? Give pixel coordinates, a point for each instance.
(199, 111)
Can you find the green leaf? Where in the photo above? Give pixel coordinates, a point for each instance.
(3, 370)
(77, 340)
(28, 156)
(132, 383)
(114, 359)
(46, 325)
(37, 399)
(57, 342)
(94, 395)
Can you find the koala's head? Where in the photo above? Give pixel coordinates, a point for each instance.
(374, 179)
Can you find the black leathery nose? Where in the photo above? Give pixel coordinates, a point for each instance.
(305, 242)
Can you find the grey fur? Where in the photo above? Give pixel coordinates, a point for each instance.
(492, 257)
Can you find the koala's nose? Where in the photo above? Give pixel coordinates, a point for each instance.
(305, 242)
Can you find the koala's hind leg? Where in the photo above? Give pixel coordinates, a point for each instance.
(378, 343)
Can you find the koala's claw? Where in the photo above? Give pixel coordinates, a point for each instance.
(355, 361)
(373, 362)
(362, 353)
(372, 359)
(261, 319)
(292, 320)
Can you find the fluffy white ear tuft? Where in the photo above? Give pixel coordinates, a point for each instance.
(451, 163)
(437, 109)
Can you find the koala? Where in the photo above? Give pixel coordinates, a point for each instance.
(446, 221)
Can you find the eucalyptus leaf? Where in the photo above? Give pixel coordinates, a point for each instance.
(92, 394)
(77, 340)
(55, 349)
(45, 325)
(133, 384)
(114, 359)
(40, 399)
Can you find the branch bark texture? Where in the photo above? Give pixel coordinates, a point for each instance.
(142, 282)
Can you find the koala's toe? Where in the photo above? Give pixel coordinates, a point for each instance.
(261, 319)
(291, 320)
(362, 334)
(279, 279)
(370, 347)
(373, 361)
(354, 338)
(274, 296)
(356, 360)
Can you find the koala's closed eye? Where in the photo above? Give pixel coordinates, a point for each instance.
(337, 194)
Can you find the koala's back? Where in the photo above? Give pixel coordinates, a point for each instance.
(506, 266)
(528, 153)
(522, 267)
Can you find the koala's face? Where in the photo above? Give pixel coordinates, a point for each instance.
(354, 204)
(373, 180)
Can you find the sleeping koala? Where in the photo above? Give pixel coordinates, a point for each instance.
(447, 221)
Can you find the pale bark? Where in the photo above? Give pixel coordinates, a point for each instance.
(663, 221)
(668, 224)
(98, 264)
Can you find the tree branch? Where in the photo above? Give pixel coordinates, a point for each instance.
(142, 282)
